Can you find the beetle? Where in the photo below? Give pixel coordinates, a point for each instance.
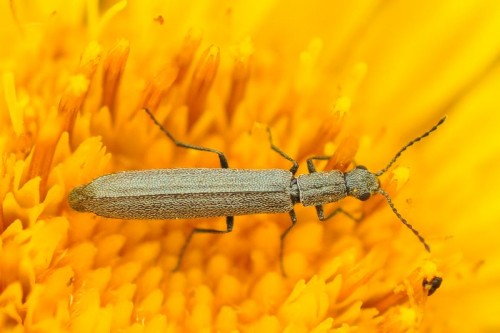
(211, 192)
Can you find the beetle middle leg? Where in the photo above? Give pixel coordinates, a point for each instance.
(295, 165)
(293, 216)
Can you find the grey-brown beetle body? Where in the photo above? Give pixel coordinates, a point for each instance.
(192, 193)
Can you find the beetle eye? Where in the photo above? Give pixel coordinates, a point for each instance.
(364, 196)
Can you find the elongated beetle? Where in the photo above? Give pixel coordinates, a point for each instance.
(202, 192)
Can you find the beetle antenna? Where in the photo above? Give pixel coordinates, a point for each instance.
(409, 144)
(402, 219)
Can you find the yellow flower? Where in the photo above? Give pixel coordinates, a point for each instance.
(352, 80)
